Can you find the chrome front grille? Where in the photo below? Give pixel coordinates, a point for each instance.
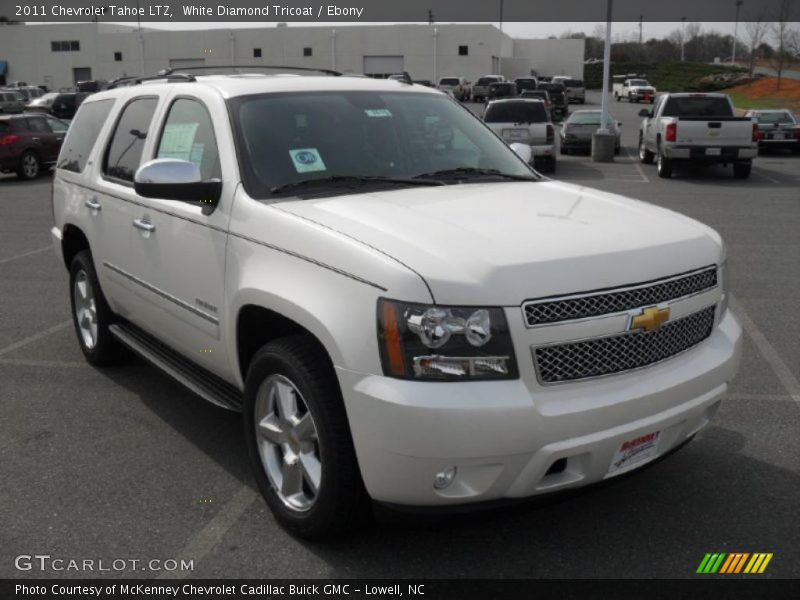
(554, 310)
(616, 353)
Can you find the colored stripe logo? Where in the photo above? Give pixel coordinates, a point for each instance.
(734, 563)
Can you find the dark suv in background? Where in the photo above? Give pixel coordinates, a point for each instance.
(29, 142)
(66, 104)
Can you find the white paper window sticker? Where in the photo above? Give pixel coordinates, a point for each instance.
(177, 140)
(307, 160)
(378, 112)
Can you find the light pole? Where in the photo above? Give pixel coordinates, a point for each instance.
(735, 31)
(603, 140)
(683, 35)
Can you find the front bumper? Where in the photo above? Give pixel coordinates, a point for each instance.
(727, 154)
(503, 437)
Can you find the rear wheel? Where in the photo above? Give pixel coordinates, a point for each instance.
(29, 165)
(645, 156)
(741, 170)
(299, 441)
(91, 314)
(563, 150)
(664, 166)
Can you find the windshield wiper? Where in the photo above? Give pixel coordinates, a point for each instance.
(351, 179)
(464, 172)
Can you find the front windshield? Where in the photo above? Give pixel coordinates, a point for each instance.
(640, 82)
(449, 81)
(291, 137)
(774, 118)
(486, 80)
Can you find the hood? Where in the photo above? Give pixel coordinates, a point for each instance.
(498, 244)
(643, 88)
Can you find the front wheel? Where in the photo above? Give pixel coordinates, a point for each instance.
(91, 314)
(299, 440)
(664, 166)
(741, 170)
(645, 156)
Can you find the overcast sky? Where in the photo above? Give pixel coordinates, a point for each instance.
(521, 30)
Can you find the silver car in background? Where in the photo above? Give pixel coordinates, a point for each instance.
(11, 101)
(778, 129)
(576, 132)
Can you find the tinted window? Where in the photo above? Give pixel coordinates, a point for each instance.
(516, 112)
(574, 83)
(639, 83)
(698, 106)
(56, 125)
(486, 80)
(125, 150)
(189, 135)
(38, 125)
(774, 118)
(3, 127)
(448, 81)
(589, 118)
(82, 135)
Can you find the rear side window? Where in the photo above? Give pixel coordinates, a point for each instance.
(82, 135)
(189, 135)
(698, 106)
(125, 150)
(38, 125)
(516, 112)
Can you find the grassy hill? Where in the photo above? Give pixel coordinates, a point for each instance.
(671, 76)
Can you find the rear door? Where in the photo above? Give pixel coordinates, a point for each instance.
(43, 139)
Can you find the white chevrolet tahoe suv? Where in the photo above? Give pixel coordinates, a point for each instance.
(403, 310)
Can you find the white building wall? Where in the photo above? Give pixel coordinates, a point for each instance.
(27, 49)
(552, 56)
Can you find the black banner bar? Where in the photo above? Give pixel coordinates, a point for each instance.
(705, 586)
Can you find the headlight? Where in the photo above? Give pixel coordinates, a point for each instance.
(444, 343)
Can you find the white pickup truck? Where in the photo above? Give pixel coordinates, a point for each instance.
(635, 90)
(700, 128)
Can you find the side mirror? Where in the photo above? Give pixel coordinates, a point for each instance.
(523, 151)
(645, 113)
(174, 179)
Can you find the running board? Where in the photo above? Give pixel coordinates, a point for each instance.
(202, 382)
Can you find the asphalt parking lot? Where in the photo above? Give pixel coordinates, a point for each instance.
(124, 463)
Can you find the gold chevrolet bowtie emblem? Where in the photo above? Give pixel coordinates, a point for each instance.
(651, 318)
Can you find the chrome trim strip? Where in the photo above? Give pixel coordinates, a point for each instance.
(605, 291)
(534, 347)
(162, 293)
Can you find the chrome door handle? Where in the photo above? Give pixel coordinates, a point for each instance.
(144, 225)
(92, 204)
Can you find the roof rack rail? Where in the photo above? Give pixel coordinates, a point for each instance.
(180, 70)
(136, 80)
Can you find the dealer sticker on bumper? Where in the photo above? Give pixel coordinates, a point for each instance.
(634, 452)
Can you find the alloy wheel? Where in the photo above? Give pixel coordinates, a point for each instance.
(85, 309)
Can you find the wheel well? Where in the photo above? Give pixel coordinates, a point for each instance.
(256, 326)
(73, 242)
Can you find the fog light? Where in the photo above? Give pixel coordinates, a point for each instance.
(444, 478)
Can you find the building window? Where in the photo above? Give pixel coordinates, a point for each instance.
(463, 50)
(68, 46)
(307, 51)
(256, 52)
(117, 56)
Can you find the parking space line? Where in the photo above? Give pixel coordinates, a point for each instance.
(24, 254)
(209, 536)
(767, 351)
(767, 177)
(61, 364)
(35, 337)
(636, 164)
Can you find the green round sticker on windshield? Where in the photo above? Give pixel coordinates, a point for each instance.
(307, 160)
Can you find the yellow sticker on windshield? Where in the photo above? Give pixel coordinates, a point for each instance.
(307, 160)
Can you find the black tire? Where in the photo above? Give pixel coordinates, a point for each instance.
(741, 170)
(617, 150)
(582, 100)
(645, 156)
(104, 350)
(341, 504)
(664, 166)
(30, 167)
(563, 150)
